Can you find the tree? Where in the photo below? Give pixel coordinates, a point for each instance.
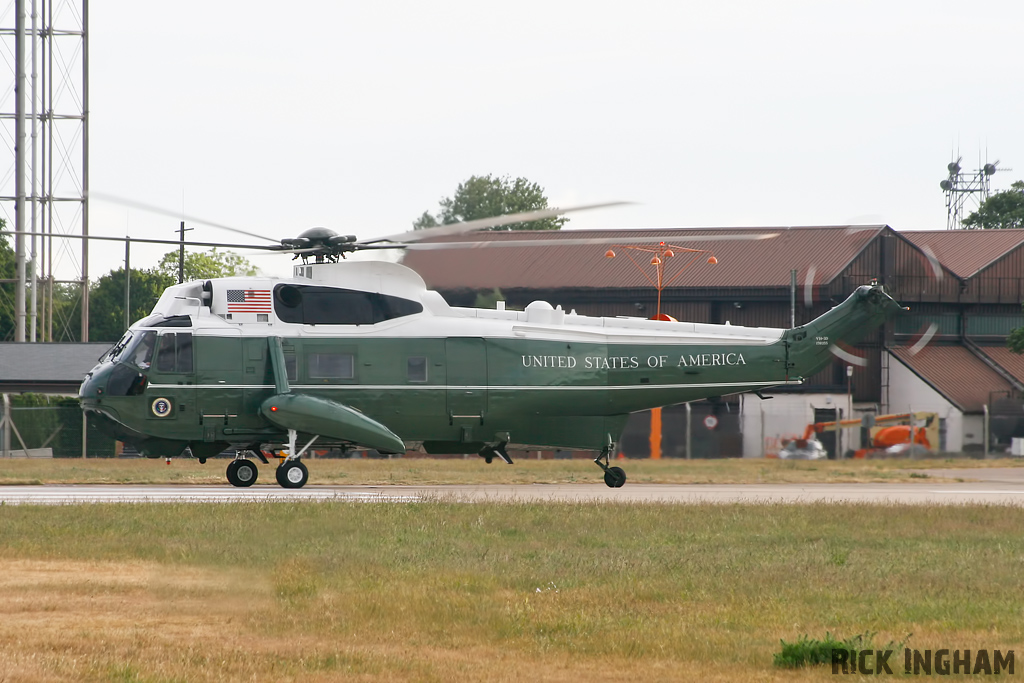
(8, 268)
(106, 301)
(486, 197)
(1002, 210)
(487, 299)
(67, 312)
(1016, 340)
(202, 265)
(424, 221)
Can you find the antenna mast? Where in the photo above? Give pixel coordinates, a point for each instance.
(961, 185)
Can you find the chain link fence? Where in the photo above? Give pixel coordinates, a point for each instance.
(763, 428)
(35, 425)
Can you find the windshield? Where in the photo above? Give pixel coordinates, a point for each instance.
(114, 351)
(138, 350)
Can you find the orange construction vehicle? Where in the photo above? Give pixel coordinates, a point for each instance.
(920, 429)
(899, 439)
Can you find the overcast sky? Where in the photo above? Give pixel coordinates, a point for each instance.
(359, 116)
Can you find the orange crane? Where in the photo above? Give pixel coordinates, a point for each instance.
(883, 437)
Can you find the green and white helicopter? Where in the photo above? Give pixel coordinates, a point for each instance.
(360, 354)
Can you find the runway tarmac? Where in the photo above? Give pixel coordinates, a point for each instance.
(1000, 492)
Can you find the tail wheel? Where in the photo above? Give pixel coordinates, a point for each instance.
(242, 472)
(292, 474)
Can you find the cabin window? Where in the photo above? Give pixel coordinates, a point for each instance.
(310, 305)
(175, 352)
(417, 369)
(331, 365)
(291, 366)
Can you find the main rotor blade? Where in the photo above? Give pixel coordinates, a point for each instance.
(143, 240)
(482, 223)
(173, 214)
(299, 250)
(579, 241)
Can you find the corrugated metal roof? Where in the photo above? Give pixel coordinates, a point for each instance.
(965, 252)
(56, 362)
(743, 260)
(1012, 362)
(956, 373)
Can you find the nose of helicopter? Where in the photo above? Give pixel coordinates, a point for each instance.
(94, 383)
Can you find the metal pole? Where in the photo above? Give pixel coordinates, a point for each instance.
(661, 267)
(127, 282)
(48, 158)
(985, 429)
(761, 406)
(19, 167)
(792, 298)
(689, 430)
(849, 399)
(6, 444)
(181, 253)
(34, 306)
(85, 170)
(839, 435)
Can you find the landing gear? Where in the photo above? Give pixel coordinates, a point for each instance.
(614, 477)
(242, 472)
(292, 474)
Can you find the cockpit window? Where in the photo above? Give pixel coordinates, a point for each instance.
(114, 351)
(140, 350)
(312, 305)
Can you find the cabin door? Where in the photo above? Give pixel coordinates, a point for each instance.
(219, 378)
(467, 380)
(172, 377)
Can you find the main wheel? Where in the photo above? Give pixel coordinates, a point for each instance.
(615, 477)
(242, 473)
(292, 474)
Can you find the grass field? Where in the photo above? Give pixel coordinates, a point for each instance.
(440, 592)
(426, 471)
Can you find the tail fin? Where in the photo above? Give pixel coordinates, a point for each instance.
(811, 346)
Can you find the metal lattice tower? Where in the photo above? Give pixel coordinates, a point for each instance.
(44, 185)
(961, 186)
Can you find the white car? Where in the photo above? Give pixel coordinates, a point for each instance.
(803, 449)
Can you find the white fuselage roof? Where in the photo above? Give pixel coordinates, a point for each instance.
(539, 321)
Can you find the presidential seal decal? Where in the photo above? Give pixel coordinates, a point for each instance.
(161, 407)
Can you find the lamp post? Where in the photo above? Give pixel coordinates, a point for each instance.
(661, 252)
(849, 396)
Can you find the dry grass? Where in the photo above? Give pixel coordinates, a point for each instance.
(424, 471)
(439, 591)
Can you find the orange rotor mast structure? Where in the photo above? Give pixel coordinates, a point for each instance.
(660, 254)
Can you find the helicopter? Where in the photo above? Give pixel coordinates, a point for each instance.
(362, 355)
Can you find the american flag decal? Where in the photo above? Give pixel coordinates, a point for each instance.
(248, 301)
